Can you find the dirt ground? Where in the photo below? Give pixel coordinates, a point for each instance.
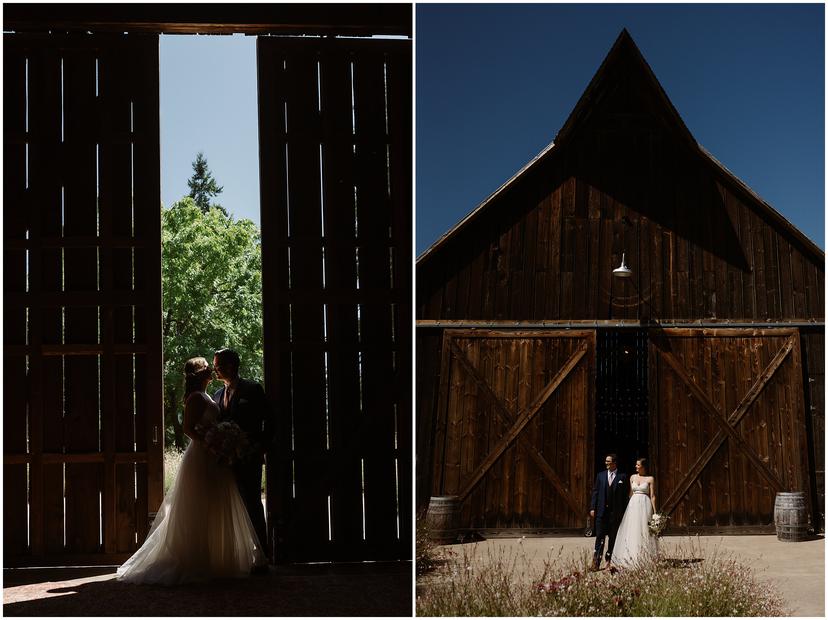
(796, 568)
(366, 589)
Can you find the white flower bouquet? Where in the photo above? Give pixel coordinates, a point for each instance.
(657, 523)
(226, 441)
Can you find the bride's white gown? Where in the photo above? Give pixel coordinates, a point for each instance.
(634, 542)
(202, 529)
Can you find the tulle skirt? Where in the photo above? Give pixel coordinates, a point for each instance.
(634, 542)
(202, 529)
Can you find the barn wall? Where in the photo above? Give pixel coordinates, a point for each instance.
(625, 176)
(697, 246)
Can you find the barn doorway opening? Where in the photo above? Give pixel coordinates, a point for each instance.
(621, 404)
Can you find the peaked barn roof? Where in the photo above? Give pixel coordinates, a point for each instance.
(625, 50)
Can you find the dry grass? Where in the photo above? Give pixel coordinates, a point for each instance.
(502, 583)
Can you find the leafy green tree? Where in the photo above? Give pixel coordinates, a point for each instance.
(203, 186)
(212, 282)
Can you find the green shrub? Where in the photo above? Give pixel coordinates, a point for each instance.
(504, 584)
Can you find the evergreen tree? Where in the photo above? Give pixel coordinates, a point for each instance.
(203, 186)
(211, 272)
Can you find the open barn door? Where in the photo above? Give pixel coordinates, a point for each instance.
(514, 438)
(729, 424)
(335, 143)
(82, 410)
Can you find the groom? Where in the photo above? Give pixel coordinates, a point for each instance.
(244, 403)
(610, 494)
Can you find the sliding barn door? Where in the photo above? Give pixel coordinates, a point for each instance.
(729, 424)
(335, 143)
(82, 413)
(514, 439)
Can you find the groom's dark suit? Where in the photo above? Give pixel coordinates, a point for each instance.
(249, 408)
(609, 503)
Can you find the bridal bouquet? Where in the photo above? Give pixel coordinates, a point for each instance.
(227, 441)
(657, 523)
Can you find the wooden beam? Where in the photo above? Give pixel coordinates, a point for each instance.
(307, 18)
(57, 458)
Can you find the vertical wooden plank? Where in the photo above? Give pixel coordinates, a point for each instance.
(398, 109)
(15, 441)
(470, 411)
(442, 416)
(276, 313)
(533, 432)
(426, 416)
(784, 251)
(523, 367)
(451, 462)
(761, 283)
(490, 431)
(772, 275)
(149, 426)
(507, 387)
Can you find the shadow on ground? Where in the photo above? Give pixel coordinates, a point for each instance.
(367, 589)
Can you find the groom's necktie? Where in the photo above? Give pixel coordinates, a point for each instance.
(611, 478)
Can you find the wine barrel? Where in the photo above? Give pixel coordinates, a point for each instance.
(443, 519)
(790, 516)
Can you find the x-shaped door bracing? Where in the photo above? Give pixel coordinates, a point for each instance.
(727, 426)
(516, 422)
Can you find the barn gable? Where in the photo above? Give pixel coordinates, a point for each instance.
(624, 175)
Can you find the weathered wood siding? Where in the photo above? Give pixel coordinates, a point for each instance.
(335, 140)
(546, 248)
(83, 415)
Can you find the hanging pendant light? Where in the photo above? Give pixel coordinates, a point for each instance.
(623, 271)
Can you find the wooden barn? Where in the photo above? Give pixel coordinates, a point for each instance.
(83, 420)
(535, 357)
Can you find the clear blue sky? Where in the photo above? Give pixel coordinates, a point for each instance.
(208, 103)
(496, 82)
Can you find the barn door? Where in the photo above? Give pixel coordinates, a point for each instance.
(515, 433)
(729, 424)
(82, 413)
(335, 142)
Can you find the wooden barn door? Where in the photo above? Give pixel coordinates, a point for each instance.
(515, 430)
(729, 426)
(82, 413)
(335, 142)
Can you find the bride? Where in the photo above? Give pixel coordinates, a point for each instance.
(634, 542)
(202, 529)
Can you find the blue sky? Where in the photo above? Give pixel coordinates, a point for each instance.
(208, 103)
(496, 82)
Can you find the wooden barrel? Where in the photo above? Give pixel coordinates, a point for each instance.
(790, 516)
(443, 519)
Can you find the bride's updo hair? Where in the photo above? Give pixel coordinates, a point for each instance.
(644, 463)
(196, 370)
